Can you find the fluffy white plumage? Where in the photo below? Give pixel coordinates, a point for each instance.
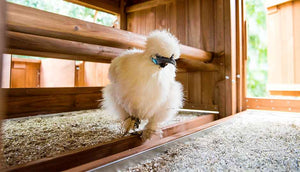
(142, 90)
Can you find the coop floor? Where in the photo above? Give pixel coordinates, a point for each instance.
(253, 140)
(32, 138)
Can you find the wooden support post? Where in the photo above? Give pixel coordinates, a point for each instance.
(2, 45)
(230, 57)
(123, 15)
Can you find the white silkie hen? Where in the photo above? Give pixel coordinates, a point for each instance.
(143, 85)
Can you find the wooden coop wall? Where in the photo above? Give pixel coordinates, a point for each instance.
(209, 32)
(283, 25)
(196, 23)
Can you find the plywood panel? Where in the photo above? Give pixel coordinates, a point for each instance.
(57, 73)
(6, 70)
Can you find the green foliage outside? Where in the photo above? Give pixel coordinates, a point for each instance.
(257, 66)
(67, 9)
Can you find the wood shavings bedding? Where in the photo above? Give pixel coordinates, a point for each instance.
(255, 140)
(32, 138)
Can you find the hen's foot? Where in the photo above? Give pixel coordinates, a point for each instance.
(131, 123)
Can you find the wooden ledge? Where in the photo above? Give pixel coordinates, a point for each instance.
(286, 105)
(85, 155)
(148, 145)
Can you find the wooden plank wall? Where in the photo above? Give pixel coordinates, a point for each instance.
(196, 23)
(32, 101)
(283, 24)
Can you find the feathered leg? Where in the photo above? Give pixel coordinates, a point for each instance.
(131, 123)
(166, 112)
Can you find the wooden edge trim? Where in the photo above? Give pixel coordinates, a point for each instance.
(84, 155)
(145, 146)
(286, 105)
(146, 5)
(272, 3)
(14, 59)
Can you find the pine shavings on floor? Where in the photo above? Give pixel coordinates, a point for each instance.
(32, 138)
(253, 140)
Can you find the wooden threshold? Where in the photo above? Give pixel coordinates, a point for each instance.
(145, 146)
(93, 153)
(287, 105)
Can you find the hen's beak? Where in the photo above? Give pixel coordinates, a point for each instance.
(163, 61)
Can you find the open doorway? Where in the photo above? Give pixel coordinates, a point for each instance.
(273, 56)
(273, 53)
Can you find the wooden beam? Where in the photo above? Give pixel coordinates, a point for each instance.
(85, 155)
(33, 101)
(148, 145)
(36, 22)
(80, 51)
(108, 6)
(33, 45)
(146, 5)
(287, 105)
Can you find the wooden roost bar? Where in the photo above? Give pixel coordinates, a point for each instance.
(211, 66)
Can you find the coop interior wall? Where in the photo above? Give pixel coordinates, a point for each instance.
(196, 23)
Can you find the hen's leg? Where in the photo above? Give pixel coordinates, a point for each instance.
(131, 123)
(166, 111)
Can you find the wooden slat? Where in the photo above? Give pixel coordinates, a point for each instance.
(22, 102)
(32, 21)
(146, 5)
(148, 145)
(109, 6)
(85, 155)
(287, 105)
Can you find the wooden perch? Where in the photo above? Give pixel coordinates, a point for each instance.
(33, 45)
(36, 22)
(79, 51)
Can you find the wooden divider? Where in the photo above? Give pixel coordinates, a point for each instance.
(22, 102)
(85, 155)
(36, 25)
